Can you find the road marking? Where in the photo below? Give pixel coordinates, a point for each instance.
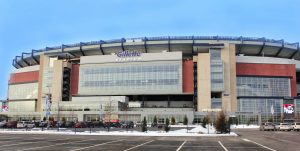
(138, 145)
(22, 142)
(96, 145)
(54, 145)
(222, 146)
(247, 140)
(181, 146)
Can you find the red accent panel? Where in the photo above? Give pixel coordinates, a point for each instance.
(188, 76)
(74, 79)
(24, 77)
(269, 70)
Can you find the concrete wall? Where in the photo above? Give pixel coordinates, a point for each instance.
(44, 62)
(24, 77)
(74, 79)
(204, 81)
(188, 76)
(57, 80)
(229, 100)
(258, 69)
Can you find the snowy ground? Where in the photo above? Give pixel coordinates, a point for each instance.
(196, 131)
(243, 126)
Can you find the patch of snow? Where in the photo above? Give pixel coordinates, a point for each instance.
(197, 131)
(243, 126)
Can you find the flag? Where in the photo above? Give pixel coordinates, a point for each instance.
(272, 110)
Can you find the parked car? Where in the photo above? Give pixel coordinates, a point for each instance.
(60, 124)
(3, 124)
(138, 124)
(277, 126)
(267, 126)
(285, 127)
(160, 126)
(112, 124)
(296, 126)
(69, 124)
(153, 124)
(80, 125)
(25, 124)
(11, 124)
(127, 124)
(43, 124)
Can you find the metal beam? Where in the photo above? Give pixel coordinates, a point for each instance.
(22, 57)
(62, 48)
(17, 61)
(193, 45)
(145, 44)
(294, 54)
(280, 49)
(32, 52)
(80, 48)
(240, 46)
(35, 60)
(262, 48)
(101, 48)
(13, 63)
(122, 44)
(169, 44)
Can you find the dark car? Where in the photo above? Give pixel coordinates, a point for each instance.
(43, 124)
(127, 124)
(3, 124)
(80, 125)
(112, 124)
(12, 124)
(160, 126)
(60, 124)
(69, 124)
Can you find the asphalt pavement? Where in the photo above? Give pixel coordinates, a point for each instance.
(248, 140)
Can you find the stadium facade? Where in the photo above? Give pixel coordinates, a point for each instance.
(253, 79)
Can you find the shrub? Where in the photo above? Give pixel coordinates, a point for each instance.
(205, 121)
(173, 121)
(144, 125)
(167, 126)
(185, 120)
(221, 124)
(154, 121)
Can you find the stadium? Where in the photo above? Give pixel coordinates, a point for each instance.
(251, 79)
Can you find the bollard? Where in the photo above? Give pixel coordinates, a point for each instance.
(90, 129)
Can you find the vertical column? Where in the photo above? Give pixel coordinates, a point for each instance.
(44, 61)
(204, 81)
(229, 96)
(57, 80)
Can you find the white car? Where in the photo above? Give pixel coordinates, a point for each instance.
(267, 126)
(296, 126)
(285, 127)
(25, 124)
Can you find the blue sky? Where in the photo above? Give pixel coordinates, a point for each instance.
(33, 24)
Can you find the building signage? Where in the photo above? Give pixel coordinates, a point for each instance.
(288, 108)
(124, 54)
(128, 56)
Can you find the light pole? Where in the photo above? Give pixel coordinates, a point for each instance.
(58, 120)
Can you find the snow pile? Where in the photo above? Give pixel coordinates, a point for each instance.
(244, 126)
(196, 131)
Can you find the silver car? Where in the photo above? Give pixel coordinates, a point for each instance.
(267, 126)
(2, 124)
(296, 126)
(285, 127)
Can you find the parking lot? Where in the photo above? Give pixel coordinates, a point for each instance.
(248, 140)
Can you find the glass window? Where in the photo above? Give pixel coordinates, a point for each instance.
(131, 78)
(263, 86)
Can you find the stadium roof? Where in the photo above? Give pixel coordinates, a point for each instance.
(187, 44)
